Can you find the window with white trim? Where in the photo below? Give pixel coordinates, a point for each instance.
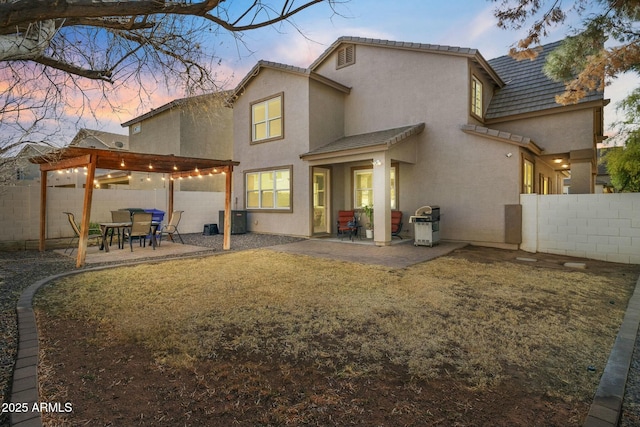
(269, 189)
(363, 187)
(267, 119)
(476, 96)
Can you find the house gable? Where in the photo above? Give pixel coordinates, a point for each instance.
(339, 44)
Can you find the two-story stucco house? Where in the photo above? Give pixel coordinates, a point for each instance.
(404, 125)
(198, 126)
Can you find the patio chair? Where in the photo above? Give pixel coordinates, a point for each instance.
(347, 224)
(93, 234)
(140, 227)
(171, 228)
(396, 224)
(119, 216)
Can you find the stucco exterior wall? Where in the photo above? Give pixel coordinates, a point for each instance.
(470, 178)
(277, 153)
(160, 134)
(326, 114)
(557, 133)
(196, 129)
(392, 88)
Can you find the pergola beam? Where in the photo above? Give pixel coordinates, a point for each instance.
(69, 163)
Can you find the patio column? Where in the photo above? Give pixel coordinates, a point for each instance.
(381, 199)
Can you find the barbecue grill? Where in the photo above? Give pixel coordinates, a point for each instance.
(426, 223)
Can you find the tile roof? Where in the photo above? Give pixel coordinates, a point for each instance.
(527, 88)
(386, 137)
(176, 103)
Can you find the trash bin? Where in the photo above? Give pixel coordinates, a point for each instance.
(210, 229)
(426, 223)
(156, 215)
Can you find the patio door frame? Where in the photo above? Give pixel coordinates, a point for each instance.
(325, 215)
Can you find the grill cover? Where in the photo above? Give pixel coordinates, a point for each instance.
(426, 214)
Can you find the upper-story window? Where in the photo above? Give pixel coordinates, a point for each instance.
(476, 96)
(267, 119)
(346, 56)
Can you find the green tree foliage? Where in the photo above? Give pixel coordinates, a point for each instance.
(623, 163)
(583, 62)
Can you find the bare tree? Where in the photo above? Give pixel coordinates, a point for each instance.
(60, 60)
(583, 62)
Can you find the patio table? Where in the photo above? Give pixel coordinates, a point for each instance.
(106, 226)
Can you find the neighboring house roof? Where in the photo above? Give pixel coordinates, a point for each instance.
(472, 54)
(35, 148)
(107, 140)
(380, 139)
(175, 103)
(527, 88)
(305, 72)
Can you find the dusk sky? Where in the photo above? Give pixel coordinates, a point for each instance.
(455, 23)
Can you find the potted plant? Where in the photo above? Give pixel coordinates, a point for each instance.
(368, 211)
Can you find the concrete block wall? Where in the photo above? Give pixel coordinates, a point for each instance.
(20, 209)
(597, 226)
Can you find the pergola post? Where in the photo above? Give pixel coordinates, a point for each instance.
(171, 190)
(43, 211)
(86, 212)
(226, 240)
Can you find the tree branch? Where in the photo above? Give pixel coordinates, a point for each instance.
(104, 75)
(23, 12)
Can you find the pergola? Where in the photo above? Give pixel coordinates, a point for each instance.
(92, 159)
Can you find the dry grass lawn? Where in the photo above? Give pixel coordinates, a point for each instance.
(476, 324)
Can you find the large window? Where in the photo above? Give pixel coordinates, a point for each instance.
(267, 119)
(476, 96)
(527, 177)
(269, 189)
(363, 187)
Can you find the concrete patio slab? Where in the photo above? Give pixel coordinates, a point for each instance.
(399, 255)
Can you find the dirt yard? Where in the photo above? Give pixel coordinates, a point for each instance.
(502, 351)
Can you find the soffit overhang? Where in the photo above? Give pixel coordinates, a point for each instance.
(506, 137)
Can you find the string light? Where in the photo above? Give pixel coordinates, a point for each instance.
(122, 163)
(150, 166)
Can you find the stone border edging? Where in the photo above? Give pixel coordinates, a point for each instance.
(606, 407)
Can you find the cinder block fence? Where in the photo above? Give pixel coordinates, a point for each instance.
(597, 226)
